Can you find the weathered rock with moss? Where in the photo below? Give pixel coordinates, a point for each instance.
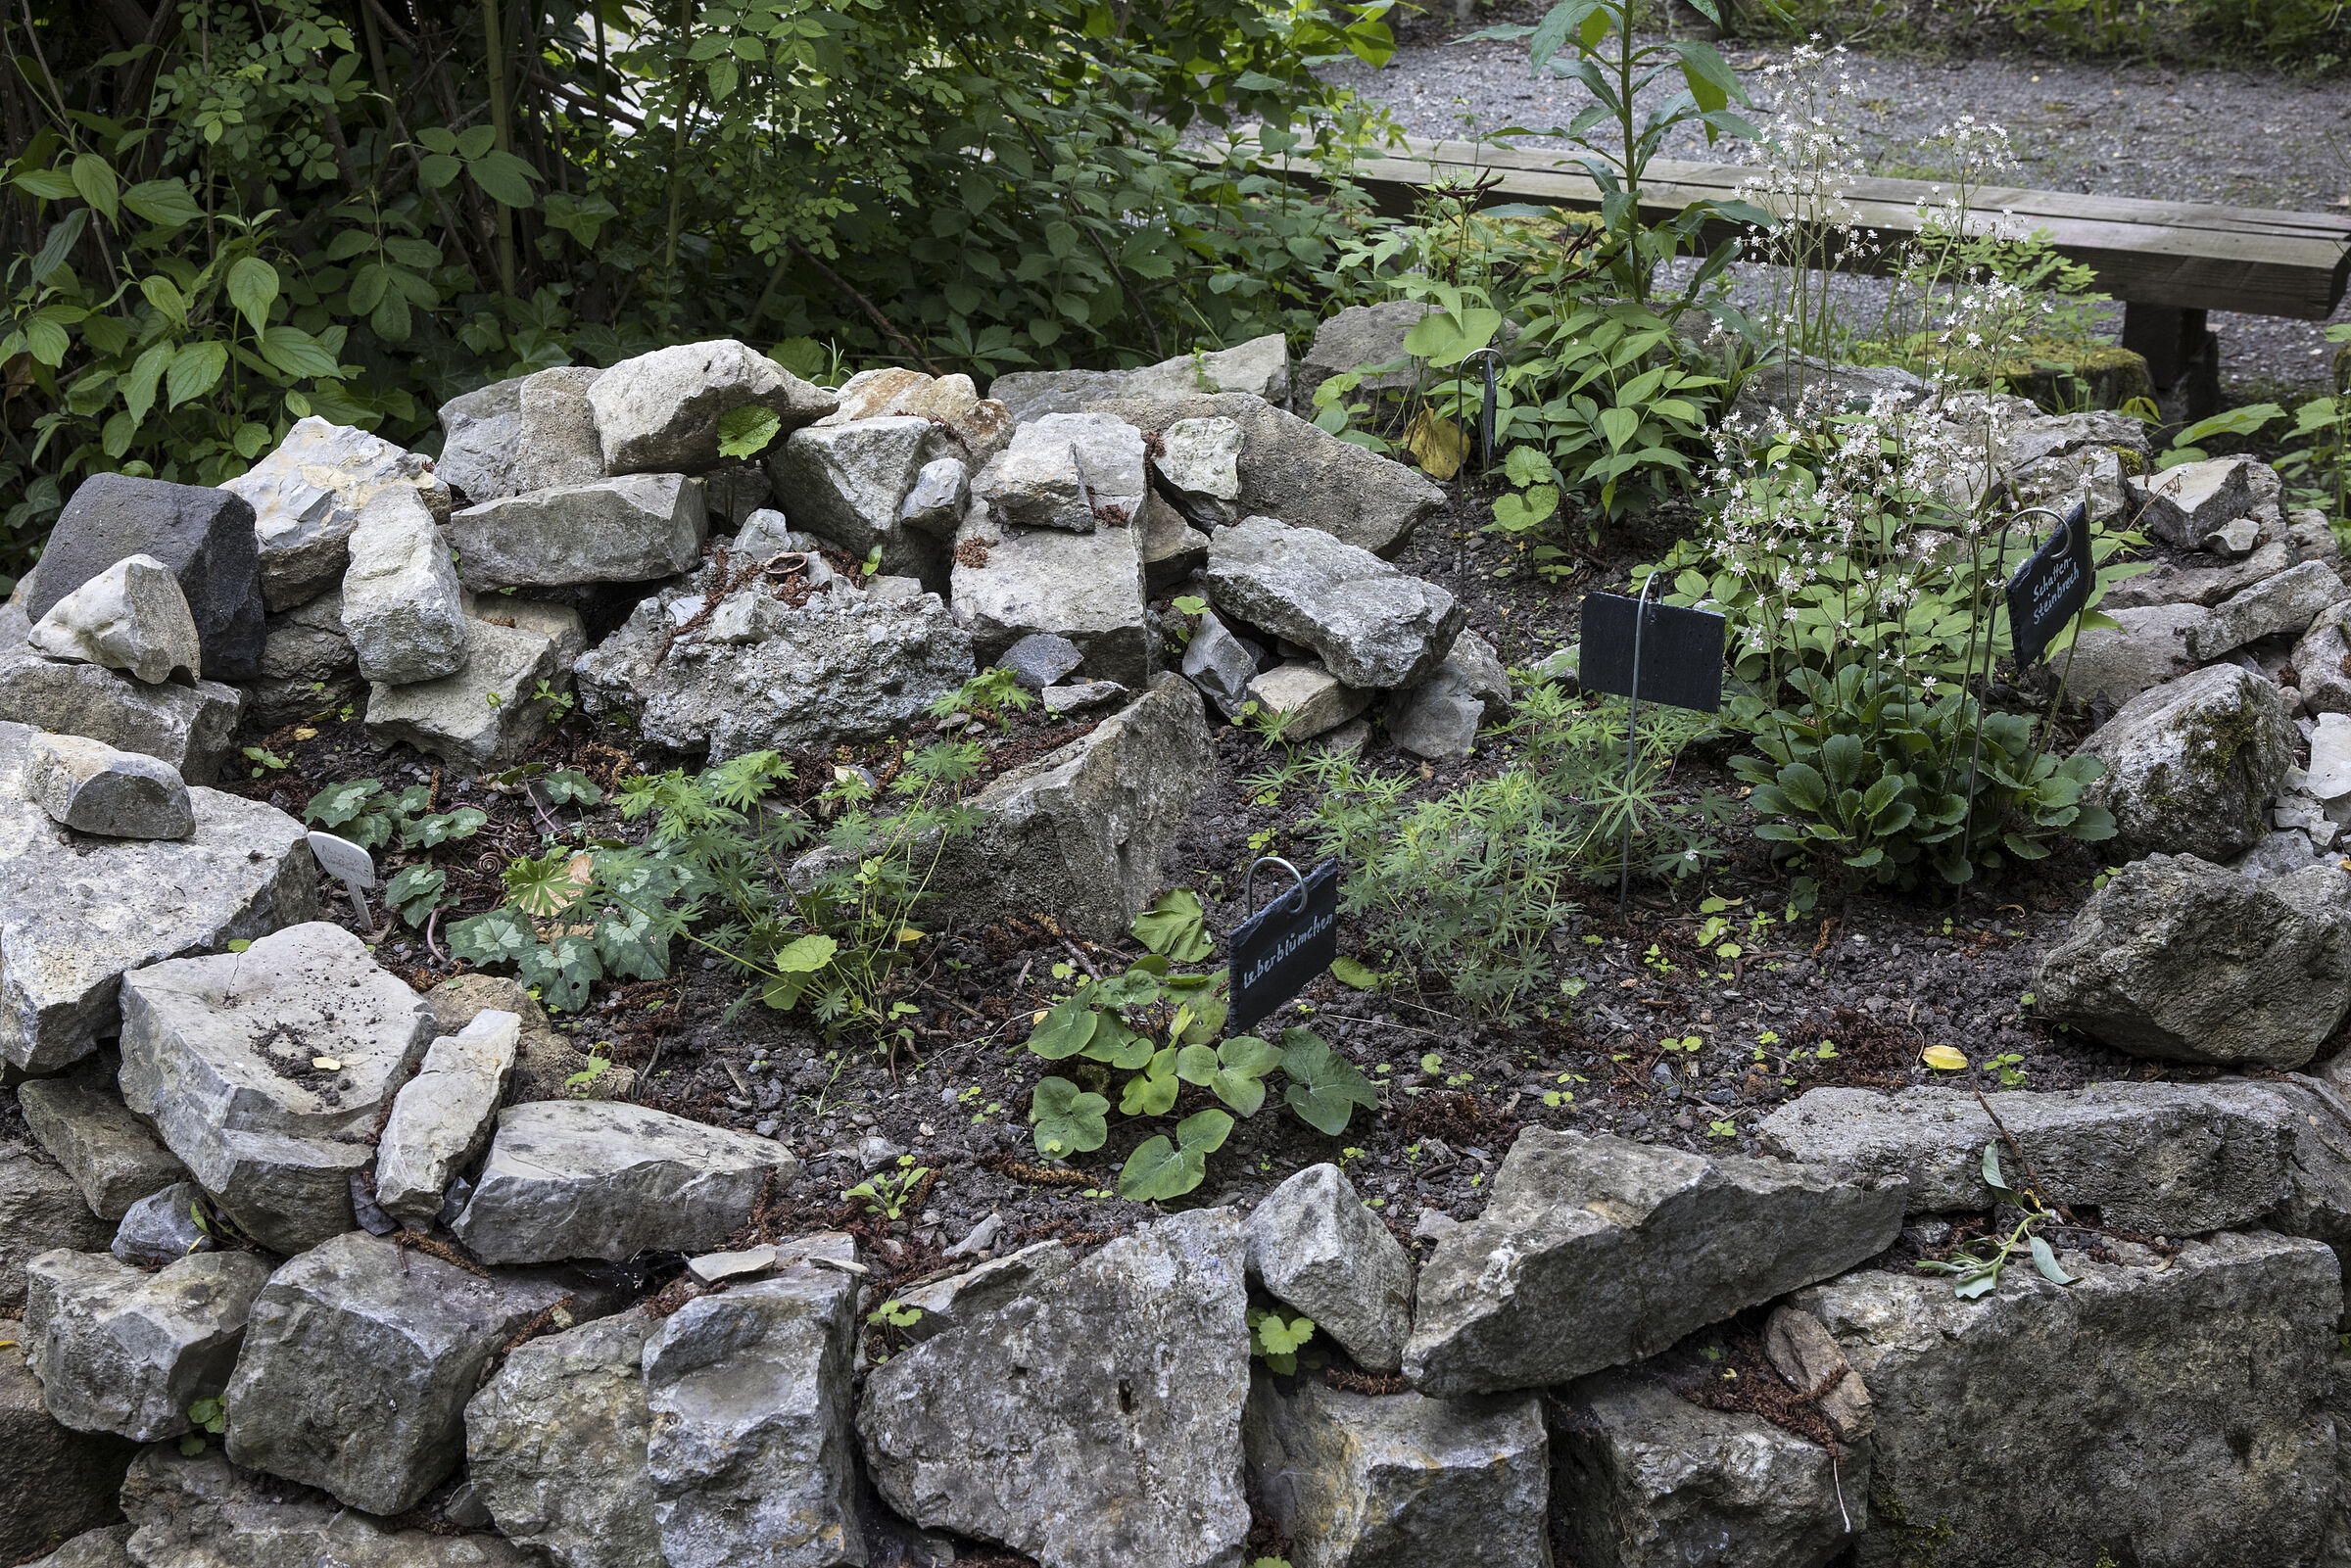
(2186, 962)
(2191, 765)
(2160, 1410)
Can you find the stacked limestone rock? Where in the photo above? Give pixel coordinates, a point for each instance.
(1102, 1411)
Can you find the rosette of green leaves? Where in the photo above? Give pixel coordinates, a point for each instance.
(1868, 777)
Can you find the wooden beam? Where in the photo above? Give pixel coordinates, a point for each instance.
(2184, 255)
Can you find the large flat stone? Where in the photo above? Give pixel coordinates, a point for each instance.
(595, 1179)
(749, 1454)
(1012, 582)
(2149, 647)
(2191, 765)
(2160, 1159)
(442, 1119)
(2181, 505)
(60, 1483)
(2160, 1412)
(93, 789)
(659, 412)
(130, 617)
(1647, 1480)
(205, 536)
(198, 1511)
(401, 607)
(981, 424)
(1371, 623)
(532, 432)
(1096, 1424)
(75, 916)
(306, 495)
(555, 1446)
(1293, 470)
(223, 1055)
(847, 484)
(114, 1157)
(2186, 961)
(1359, 1482)
(1314, 1246)
(123, 1351)
(359, 1358)
(1072, 471)
(2286, 602)
(841, 668)
(480, 717)
(1596, 1251)
(40, 1209)
(1082, 833)
(1259, 368)
(186, 727)
(308, 664)
(625, 530)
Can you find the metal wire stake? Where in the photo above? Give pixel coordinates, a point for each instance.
(1632, 732)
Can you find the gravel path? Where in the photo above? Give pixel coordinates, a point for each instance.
(2238, 137)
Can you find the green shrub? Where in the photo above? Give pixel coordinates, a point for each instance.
(241, 214)
(1473, 883)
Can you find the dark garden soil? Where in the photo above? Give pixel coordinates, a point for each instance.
(1848, 993)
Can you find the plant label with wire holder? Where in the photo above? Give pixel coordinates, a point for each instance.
(1674, 653)
(1278, 949)
(1668, 654)
(2050, 589)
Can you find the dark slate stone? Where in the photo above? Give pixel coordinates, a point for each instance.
(1039, 659)
(205, 536)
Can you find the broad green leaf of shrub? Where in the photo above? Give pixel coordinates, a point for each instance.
(1152, 1091)
(499, 937)
(745, 431)
(1068, 1120)
(416, 893)
(1065, 1029)
(1324, 1088)
(1355, 972)
(253, 289)
(1176, 928)
(543, 885)
(330, 808)
(1234, 1072)
(1163, 1169)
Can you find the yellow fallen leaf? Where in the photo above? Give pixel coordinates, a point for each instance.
(907, 934)
(305, 733)
(1943, 1059)
(1436, 444)
(327, 1064)
(1040, 1016)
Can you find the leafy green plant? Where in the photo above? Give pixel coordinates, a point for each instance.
(1276, 1340)
(887, 1194)
(1471, 885)
(1863, 776)
(1978, 1264)
(1160, 1027)
(219, 218)
(825, 924)
(994, 695)
(372, 817)
(210, 1418)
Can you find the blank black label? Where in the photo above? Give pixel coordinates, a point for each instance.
(1681, 651)
(1284, 946)
(2051, 588)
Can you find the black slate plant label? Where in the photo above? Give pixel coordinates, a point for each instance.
(1681, 651)
(1275, 951)
(2051, 588)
